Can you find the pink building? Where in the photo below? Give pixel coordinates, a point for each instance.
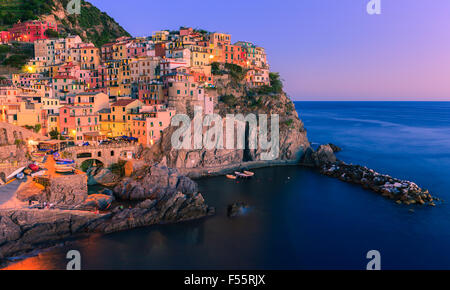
(149, 124)
(79, 122)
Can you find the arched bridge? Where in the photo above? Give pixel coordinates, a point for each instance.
(106, 154)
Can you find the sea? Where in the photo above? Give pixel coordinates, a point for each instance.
(299, 219)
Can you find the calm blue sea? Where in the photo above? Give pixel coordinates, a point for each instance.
(300, 219)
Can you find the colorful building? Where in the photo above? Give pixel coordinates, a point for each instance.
(31, 31)
(79, 122)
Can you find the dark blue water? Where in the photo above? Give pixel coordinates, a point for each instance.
(300, 219)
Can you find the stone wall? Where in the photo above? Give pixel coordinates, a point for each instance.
(10, 133)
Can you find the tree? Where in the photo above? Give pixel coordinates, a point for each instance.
(37, 128)
(50, 33)
(54, 134)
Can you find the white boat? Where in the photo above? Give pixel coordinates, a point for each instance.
(15, 173)
(249, 173)
(242, 175)
(39, 173)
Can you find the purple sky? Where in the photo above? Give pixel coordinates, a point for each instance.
(324, 49)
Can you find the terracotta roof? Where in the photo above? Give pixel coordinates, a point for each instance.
(123, 102)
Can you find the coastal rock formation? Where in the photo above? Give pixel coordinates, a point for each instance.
(67, 191)
(323, 155)
(155, 182)
(401, 191)
(293, 141)
(27, 229)
(173, 207)
(98, 201)
(237, 209)
(335, 148)
(23, 230)
(102, 176)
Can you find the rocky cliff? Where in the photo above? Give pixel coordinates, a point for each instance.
(235, 97)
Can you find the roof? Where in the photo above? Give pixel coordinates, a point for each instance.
(123, 102)
(105, 111)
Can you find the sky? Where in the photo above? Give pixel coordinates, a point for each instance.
(324, 49)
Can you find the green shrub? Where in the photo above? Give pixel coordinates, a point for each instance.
(230, 100)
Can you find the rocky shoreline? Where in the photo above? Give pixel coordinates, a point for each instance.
(160, 195)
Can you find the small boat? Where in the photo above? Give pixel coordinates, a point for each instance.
(64, 169)
(39, 173)
(38, 154)
(20, 176)
(249, 173)
(231, 176)
(242, 175)
(15, 173)
(34, 167)
(64, 161)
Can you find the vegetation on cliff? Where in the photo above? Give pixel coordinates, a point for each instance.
(16, 54)
(92, 24)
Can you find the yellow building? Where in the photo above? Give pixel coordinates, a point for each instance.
(117, 121)
(119, 77)
(160, 36)
(90, 58)
(53, 122)
(200, 56)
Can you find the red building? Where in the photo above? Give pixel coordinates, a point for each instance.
(234, 54)
(31, 31)
(5, 36)
(160, 49)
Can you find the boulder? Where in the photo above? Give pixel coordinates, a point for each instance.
(67, 191)
(102, 176)
(324, 155)
(98, 201)
(156, 182)
(237, 209)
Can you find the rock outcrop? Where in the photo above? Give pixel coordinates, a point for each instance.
(102, 176)
(237, 209)
(293, 141)
(66, 191)
(155, 182)
(27, 229)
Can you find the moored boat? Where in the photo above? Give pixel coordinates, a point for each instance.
(64, 161)
(15, 173)
(242, 175)
(64, 169)
(249, 173)
(229, 176)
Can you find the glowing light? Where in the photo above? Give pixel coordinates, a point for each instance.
(211, 56)
(29, 69)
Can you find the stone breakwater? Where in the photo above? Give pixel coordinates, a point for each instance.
(400, 191)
